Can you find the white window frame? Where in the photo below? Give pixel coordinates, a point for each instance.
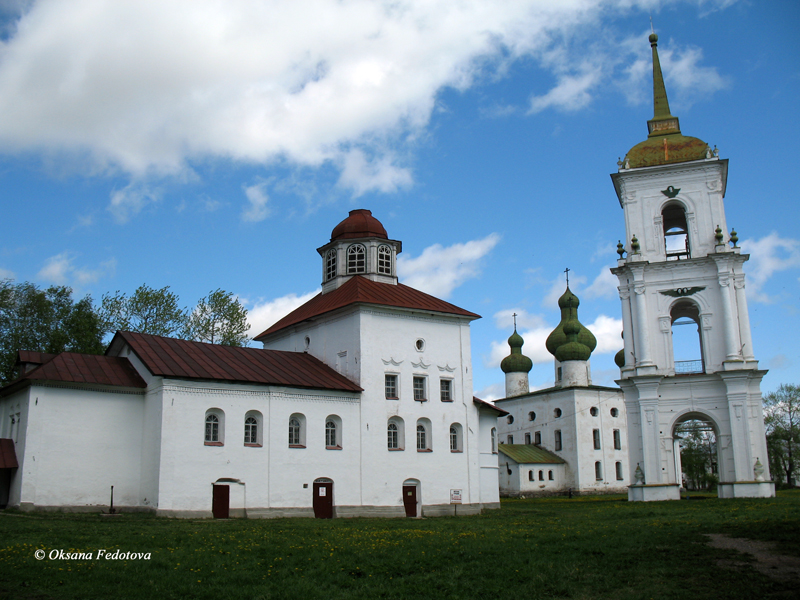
(216, 435)
(385, 262)
(421, 390)
(253, 431)
(330, 264)
(297, 430)
(356, 259)
(398, 433)
(446, 390)
(396, 384)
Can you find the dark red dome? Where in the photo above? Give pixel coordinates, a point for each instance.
(359, 224)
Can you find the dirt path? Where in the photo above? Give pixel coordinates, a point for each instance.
(777, 566)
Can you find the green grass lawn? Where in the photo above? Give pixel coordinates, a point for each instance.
(590, 547)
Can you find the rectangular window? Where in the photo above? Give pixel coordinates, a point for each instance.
(617, 440)
(558, 439)
(511, 439)
(419, 389)
(446, 390)
(391, 387)
(527, 438)
(598, 471)
(619, 470)
(596, 438)
(537, 438)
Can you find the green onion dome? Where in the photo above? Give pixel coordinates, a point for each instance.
(577, 341)
(619, 358)
(516, 362)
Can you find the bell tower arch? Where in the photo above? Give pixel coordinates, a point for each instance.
(677, 269)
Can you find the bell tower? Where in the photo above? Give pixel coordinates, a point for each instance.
(677, 269)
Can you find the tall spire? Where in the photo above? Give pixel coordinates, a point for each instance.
(662, 121)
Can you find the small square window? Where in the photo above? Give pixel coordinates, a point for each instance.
(446, 390)
(419, 389)
(391, 387)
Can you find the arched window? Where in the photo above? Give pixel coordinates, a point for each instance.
(537, 438)
(550, 475)
(596, 438)
(422, 438)
(395, 434)
(215, 427)
(356, 259)
(330, 264)
(618, 466)
(455, 438)
(212, 428)
(687, 347)
(617, 440)
(330, 434)
(252, 428)
(530, 475)
(384, 260)
(527, 438)
(676, 233)
(541, 475)
(297, 431)
(598, 471)
(494, 440)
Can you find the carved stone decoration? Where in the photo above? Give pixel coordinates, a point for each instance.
(421, 364)
(664, 324)
(758, 470)
(681, 292)
(447, 368)
(392, 361)
(638, 475)
(649, 414)
(671, 192)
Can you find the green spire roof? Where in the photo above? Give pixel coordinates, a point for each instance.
(516, 362)
(664, 144)
(570, 340)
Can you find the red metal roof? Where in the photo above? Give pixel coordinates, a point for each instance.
(33, 357)
(8, 457)
(360, 224)
(361, 290)
(484, 404)
(81, 368)
(183, 359)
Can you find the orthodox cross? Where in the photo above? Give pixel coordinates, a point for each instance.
(515, 321)
(567, 273)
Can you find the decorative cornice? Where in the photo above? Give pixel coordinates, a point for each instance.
(681, 292)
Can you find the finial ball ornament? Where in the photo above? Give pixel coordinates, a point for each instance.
(653, 38)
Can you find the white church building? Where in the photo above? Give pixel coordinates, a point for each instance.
(359, 403)
(570, 437)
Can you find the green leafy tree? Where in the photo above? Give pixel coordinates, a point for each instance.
(782, 423)
(698, 454)
(147, 310)
(219, 318)
(44, 321)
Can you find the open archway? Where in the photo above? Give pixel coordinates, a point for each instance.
(687, 342)
(697, 452)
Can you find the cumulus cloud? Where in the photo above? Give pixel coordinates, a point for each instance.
(130, 200)
(608, 332)
(152, 88)
(439, 270)
(257, 209)
(604, 285)
(61, 270)
(768, 255)
(6, 274)
(264, 314)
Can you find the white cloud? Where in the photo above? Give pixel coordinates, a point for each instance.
(60, 270)
(492, 392)
(362, 175)
(6, 274)
(150, 88)
(557, 288)
(130, 200)
(438, 270)
(768, 255)
(608, 332)
(504, 319)
(258, 198)
(264, 314)
(604, 285)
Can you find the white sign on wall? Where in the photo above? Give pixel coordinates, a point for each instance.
(455, 496)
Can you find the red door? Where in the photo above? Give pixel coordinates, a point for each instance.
(410, 500)
(323, 499)
(221, 501)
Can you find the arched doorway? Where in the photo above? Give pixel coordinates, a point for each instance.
(697, 452)
(323, 498)
(411, 497)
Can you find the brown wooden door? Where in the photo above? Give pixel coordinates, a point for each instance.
(221, 501)
(323, 500)
(410, 500)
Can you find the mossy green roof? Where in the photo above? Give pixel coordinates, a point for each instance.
(516, 362)
(527, 454)
(570, 340)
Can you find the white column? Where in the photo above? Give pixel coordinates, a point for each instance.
(627, 329)
(640, 323)
(744, 319)
(731, 324)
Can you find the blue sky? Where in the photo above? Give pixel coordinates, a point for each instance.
(206, 145)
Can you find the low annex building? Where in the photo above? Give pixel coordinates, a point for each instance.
(359, 403)
(568, 437)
